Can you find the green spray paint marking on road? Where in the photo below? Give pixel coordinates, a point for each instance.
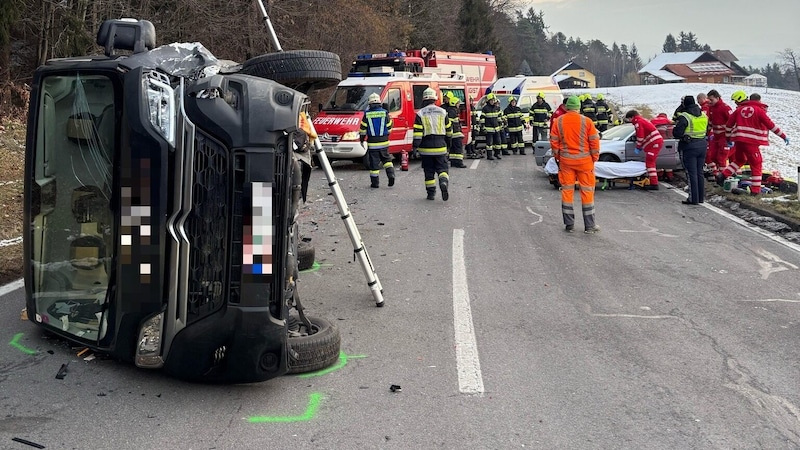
(15, 343)
(314, 400)
(315, 267)
(341, 363)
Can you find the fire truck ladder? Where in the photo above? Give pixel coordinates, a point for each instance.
(359, 250)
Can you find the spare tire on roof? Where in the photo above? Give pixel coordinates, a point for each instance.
(302, 70)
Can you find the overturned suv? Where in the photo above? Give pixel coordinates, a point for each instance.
(161, 191)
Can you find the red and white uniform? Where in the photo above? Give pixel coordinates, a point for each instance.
(748, 127)
(718, 115)
(649, 140)
(560, 111)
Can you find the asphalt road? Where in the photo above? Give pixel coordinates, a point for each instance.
(676, 327)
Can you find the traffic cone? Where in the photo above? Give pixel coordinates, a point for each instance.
(404, 161)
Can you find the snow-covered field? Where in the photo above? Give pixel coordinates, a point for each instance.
(784, 110)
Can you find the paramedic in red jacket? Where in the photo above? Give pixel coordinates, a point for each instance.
(560, 111)
(718, 114)
(649, 141)
(748, 128)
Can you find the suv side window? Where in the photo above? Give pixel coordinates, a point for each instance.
(394, 100)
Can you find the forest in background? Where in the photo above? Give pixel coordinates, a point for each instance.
(33, 31)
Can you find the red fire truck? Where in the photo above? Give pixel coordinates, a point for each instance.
(401, 94)
(479, 69)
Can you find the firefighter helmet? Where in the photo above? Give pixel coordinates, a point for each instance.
(599, 96)
(452, 99)
(429, 94)
(540, 95)
(512, 99)
(739, 96)
(374, 98)
(490, 96)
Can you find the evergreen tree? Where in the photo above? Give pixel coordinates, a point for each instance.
(525, 68)
(477, 33)
(636, 61)
(670, 45)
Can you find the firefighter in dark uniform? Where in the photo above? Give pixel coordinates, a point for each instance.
(490, 122)
(375, 127)
(603, 114)
(456, 149)
(540, 113)
(513, 115)
(432, 135)
(588, 108)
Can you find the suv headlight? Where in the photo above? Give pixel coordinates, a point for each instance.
(161, 106)
(148, 348)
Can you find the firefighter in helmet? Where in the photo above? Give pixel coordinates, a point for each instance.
(432, 134)
(374, 135)
(603, 113)
(456, 149)
(588, 108)
(540, 113)
(513, 115)
(490, 122)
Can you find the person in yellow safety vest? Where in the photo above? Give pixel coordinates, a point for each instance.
(432, 134)
(691, 126)
(539, 114)
(456, 149)
(514, 115)
(376, 125)
(603, 112)
(490, 122)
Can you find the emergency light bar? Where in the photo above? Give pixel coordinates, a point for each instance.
(381, 55)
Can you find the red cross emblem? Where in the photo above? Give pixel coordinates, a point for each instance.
(747, 112)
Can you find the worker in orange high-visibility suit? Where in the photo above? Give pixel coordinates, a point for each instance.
(575, 144)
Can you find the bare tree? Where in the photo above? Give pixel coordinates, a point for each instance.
(789, 63)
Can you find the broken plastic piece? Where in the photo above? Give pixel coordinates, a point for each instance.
(62, 372)
(395, 388)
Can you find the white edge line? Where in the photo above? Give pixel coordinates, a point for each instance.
(470, 380)
(11, 287)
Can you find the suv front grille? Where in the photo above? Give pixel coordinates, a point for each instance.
(206, 227)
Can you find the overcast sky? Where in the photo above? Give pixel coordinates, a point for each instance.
(754, 31)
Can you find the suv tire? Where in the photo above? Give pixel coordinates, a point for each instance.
(301, 70)
(311, 352)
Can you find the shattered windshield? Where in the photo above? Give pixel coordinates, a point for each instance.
(351, 98)
(71, 205)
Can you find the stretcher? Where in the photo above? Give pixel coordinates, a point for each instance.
(632, 173)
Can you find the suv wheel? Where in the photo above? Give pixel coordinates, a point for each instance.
(301, 70)
(310, 352)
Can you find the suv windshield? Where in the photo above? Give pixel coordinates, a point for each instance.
(351, 98)
(72, 220)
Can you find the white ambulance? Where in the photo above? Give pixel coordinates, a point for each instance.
(524, 89)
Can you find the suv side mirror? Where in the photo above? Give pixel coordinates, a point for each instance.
(137, 36)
